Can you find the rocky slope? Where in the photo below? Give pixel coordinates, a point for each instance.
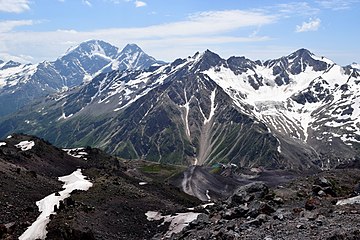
(23, 83)
(128, 197)
(116, 203)
(28, 175)
(309, 207)
(297, 112)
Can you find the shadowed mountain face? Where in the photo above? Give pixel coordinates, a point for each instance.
(298, 112)
(23, 83)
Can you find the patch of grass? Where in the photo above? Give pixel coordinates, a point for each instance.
(161, 171)
(155, 168)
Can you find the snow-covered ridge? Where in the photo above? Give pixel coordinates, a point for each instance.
(74, 181)
(14, 75)
(272, 99)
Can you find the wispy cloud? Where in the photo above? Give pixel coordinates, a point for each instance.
(7, 26)
(87, 3)
(337, 4)
(140, 4)
(200, 29)
(14, 6)
(17, 58)
(296, 8)
(311, 25)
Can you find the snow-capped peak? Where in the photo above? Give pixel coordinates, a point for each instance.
(91, 48)
(131, 48)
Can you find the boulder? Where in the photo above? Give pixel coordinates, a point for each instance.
(311, 203)
(247, 193)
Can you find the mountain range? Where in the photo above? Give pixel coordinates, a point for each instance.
(23, 83)
(298, 112)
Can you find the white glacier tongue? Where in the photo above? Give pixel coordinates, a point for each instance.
(74, 181)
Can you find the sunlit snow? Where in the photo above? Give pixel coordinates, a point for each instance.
(177, 222)
(74, 181)
(25, 145)
(353, 200)
(76, 152)
(2, 144)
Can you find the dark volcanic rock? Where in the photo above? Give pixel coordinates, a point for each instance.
(248, 193)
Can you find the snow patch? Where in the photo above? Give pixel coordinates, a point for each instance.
(207, 195)
(186, 117)
(74, 181)
(353, 200)
(177, 222)
(25, 145)
(142, 183)
(213, 107)
(76, 152)
(2, 144)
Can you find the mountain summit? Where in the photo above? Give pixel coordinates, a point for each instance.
(77, 66)
(132, 57)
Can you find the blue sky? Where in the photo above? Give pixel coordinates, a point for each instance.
(37, 30)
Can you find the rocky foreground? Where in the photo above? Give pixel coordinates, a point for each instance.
(305, 208)
(264, 204)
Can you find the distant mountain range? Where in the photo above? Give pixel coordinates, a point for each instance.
(22, 83)
(300, 111)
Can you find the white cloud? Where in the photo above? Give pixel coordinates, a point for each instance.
(15, 6)
(17, 58)
(337, 4)
(9, 25)
(140, 4)
(312, 25)
(298, 8)
(195, 32)
(87, 3)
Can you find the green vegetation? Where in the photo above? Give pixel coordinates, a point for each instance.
(163, 171)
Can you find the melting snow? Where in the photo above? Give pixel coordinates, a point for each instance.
(74, 181)
(177, 222)
(213, 107)
(186, 117)
(25, 145)
(207, 195)
(76, 152)
(353, 200)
